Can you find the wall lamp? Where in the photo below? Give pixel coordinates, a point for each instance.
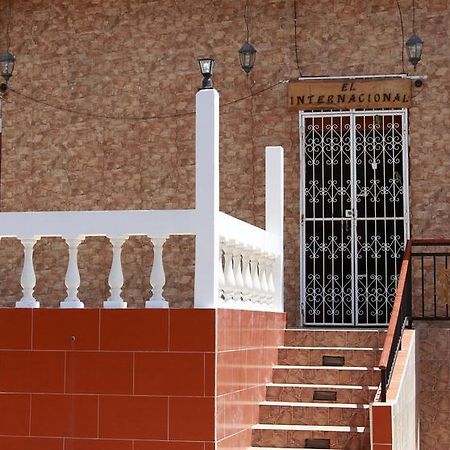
(206, 69)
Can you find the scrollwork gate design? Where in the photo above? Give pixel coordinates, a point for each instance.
(354, 214)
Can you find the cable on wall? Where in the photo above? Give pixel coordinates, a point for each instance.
(50, 104)
(295, 39)
(403, 34)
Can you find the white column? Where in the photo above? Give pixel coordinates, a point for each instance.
(275, 215)
(72, 279)
(28, 278)
(115, 279)
(206, 198)
(157, 276)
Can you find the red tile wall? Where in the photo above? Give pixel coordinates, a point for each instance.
(107, 379)
(246, 350)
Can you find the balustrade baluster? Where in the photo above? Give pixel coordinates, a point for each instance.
(157, 276)
(263, 276)
(270, 281)
(230, 282)
(28, 278)
(246, 275)
(237, 271)
(256, 292)
(221, 275)
(115, 279)
(72, 279)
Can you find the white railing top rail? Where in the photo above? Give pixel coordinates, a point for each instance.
(249, 235)
(98, 223)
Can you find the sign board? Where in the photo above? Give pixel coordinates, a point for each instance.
(374, 93)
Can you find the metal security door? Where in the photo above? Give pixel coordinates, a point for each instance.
(354, 215)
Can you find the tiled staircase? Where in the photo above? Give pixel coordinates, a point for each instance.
(321, 390)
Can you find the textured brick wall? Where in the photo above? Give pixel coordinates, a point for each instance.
(138, 58)
(434, 384)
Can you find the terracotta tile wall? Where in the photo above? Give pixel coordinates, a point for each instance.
(246, 351)
(395, 424)
(107, 379)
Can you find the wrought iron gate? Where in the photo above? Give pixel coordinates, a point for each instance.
(354, 214)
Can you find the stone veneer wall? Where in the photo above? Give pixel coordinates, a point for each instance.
(138, 58)
(434, 384)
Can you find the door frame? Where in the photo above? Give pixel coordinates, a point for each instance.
(406, 209)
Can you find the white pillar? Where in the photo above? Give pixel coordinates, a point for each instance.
(275, 215)
(28, 278)
(157, 276)
(115, 279)
(72, 279)
(206, 198)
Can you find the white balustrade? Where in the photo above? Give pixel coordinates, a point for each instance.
(28, 278)
(115, 279)
(157, 276)
(72, 279)
(237, 265)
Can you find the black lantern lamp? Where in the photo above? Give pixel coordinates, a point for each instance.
(206, 68)
(414, 46)
(247, 56)
(7, 61)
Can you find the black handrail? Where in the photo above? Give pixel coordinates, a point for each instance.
(402, 312)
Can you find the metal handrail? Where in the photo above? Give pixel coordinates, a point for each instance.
(401, 311)
(401, 315)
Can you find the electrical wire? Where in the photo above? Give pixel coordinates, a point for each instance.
(246, 21)
(295, 39)
(413, 16)
(50, 104)
(403, 34)
(8, 26)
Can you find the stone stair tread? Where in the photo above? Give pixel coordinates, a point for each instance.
(283, 448)
(294, 347)
(317, 405)
(325, 428)
(322, 386)
(279, 366)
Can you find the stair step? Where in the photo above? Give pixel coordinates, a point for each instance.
(314, 356)
(365, 376)
(294, 436)
(281, 448)
(302, 413)
(305, 392)
(372, 338)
